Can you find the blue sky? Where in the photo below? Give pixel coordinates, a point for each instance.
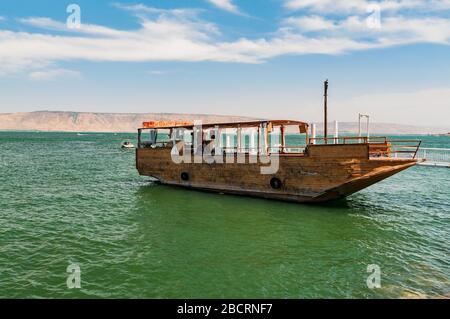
(239, 57)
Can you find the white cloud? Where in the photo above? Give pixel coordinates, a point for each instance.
(226, 5)
(49, 24)
(142, 11)
(394, 30)
(309, 23)
(361, 6)
(52, 74)
(181, 35)
(42, 22)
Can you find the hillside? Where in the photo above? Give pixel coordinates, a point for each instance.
(95, 122)
(129, 122)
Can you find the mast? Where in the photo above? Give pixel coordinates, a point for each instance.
(325, 105)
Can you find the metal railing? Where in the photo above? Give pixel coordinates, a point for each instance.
(404, 148)
(348, 140)
(379, 146)
(434, 156)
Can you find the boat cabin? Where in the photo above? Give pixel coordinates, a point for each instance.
(253, 137)
(275, 159)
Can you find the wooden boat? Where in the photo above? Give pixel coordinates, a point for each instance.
(274, 159)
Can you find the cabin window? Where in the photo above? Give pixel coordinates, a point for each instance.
(163, 136)
(265, 138)
(249, 138)
(153, 138)
(178, 134)
(245, 142)
(295, 140)
(188, 136)
(183, 138)
(209, 135)
(275, 142)
(228, 140)
(147, 138)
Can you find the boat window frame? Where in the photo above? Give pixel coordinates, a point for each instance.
(148, 143)
(261, 133)
(283, 133)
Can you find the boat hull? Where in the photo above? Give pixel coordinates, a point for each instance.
(323, 173)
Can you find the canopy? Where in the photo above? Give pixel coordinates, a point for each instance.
(175, 124)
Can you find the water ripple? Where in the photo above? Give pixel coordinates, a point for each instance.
(78, 199)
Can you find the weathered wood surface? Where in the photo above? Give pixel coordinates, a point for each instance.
(326, 172)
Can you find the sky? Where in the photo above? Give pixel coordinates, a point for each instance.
(265, 59)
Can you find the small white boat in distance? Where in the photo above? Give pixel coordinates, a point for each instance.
(127, 144)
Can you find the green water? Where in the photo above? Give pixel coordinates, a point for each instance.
(68, 199)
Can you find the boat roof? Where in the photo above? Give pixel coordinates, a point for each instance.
(186, 124)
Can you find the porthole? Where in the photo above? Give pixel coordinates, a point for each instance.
(275, 183)
(185, 176)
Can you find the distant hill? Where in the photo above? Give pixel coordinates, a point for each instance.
(96, 122)
(129, 122)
